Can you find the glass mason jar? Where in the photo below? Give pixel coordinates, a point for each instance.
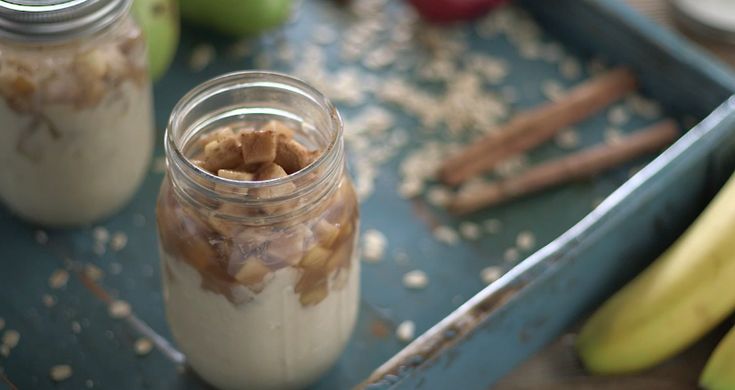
(75, 106)
(260, 278)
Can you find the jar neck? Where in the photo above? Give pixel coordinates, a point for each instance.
(58, 22)
(233, 98)
(72, 45)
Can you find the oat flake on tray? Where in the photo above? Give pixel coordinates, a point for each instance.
(472, 98)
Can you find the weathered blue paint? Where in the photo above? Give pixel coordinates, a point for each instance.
(550, 290)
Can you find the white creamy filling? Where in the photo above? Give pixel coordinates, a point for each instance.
(270, 342)
(90, 170)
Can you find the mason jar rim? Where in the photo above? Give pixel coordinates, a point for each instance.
(201, 92)
(58, 20)
(330, 161)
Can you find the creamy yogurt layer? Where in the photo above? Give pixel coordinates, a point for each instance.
(72, 166)
(270, 342)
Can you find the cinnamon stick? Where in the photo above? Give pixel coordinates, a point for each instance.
(537, 125)
(573, 167)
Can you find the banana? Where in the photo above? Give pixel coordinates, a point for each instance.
(719, 373)
(686, 292)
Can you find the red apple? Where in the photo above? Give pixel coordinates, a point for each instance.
(446, 11)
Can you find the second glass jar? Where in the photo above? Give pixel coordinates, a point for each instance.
(76, 109)
(261, 279)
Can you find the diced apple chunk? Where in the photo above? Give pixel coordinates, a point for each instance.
(252, 271)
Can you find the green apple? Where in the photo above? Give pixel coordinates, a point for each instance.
(159, 20)
(236, 17)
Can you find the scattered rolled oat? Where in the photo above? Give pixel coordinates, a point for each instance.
(415, 280)
(60, 372)
(379, 58)
(469, 230)
(41, 237)
(93, 272)
(4, 350)
(618, 116)
(11, 337)
(490, 274)
(508, 168)
(101, 234)
(119, 309)
(525, 240)
(373, 245)
(48, 300)
(58, 279)
(569, 68)
(493, 69)
(567, 139)
(644, 107)
(493, 226)
(76, 327)
(421, 164)
(465, 106)
(405, 331)
(143, 346)
(613, 136)
(201, 56)
(446, 235)
(438, 196)
(530, 50)
(118, 241)
(553, 90)
(511, 255)
(410, 188)
(89, 383)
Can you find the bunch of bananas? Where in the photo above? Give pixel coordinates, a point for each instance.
(685, 293)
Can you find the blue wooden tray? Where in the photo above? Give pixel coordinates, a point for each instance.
(467, 343)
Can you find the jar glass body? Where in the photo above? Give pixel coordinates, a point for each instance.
(260, 292)
(77, 115)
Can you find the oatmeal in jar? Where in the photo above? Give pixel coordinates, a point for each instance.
(76, 108)
(258, 223)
